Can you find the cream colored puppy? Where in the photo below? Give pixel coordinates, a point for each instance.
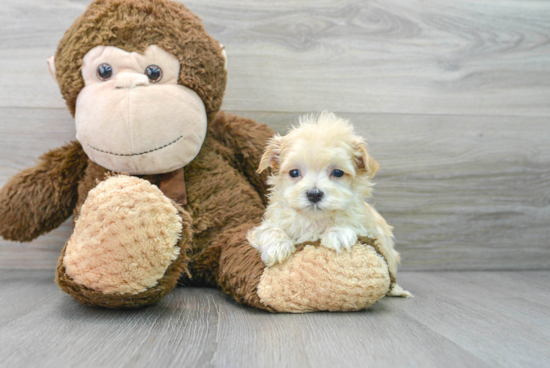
(321, 179)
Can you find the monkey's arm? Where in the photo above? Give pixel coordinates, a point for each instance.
(40, 198)
(246, 140)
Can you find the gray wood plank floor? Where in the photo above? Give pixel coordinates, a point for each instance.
(457, 319)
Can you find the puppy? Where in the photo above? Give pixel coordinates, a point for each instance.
(322, 173)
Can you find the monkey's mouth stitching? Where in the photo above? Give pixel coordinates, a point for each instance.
(136, 154)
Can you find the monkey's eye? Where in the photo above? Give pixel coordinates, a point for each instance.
(294, 173)
(337, 173)
(104, 71)
(154, 73)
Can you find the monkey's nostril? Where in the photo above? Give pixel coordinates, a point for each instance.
(131, 80)
(314, 195)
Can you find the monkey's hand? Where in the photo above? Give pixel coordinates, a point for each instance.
(39, 199)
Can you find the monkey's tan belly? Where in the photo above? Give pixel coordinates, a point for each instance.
(318, 279)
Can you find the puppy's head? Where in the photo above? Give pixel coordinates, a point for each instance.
(319, 166)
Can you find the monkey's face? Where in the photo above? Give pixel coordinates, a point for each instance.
(132, 115)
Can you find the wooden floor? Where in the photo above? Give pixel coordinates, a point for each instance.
(457, 319)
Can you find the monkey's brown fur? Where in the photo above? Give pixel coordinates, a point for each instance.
(132, 25)
(225, 196)
(39, 199)
(222, 206)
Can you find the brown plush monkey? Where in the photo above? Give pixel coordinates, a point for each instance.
(162, 185)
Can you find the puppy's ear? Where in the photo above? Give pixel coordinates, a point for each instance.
(271, 154)
(363, 160)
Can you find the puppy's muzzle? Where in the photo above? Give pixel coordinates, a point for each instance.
(314, 195)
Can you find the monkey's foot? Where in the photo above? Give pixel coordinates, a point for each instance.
(320, 279)
(128, 248)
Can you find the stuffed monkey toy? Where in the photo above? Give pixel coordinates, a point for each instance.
(161, 184)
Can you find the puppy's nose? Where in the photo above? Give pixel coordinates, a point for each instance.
(314, 195)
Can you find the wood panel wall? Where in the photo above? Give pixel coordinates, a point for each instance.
(453, 98)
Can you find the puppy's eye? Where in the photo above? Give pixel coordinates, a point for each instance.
(154, 73)
(337, 173)
(104, 71)
(294, 173)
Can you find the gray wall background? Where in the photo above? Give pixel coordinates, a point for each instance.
(453, 97)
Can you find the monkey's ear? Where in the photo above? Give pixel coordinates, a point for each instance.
(363, 160)
(51, 67)
(224, 56)
(272, 154)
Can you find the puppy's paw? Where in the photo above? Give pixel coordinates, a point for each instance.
(277, 252)
(399, 292)
(273, 244)
(339, 238)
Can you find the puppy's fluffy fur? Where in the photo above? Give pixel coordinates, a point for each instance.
(322, 173)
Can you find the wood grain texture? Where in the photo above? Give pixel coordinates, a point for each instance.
(464, 193)
(479, 319)
(454, 101)
(422, 56)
